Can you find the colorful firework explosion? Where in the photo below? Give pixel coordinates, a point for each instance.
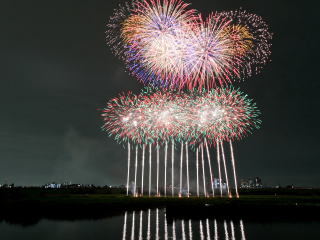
(157, 115)
(165, 43)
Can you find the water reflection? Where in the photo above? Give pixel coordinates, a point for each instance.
(154, 224)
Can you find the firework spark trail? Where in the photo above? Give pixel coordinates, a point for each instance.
(165, 168)
(132, 226)
(158, 194)
(197, 166)
(149, 169)
(124, 227)
(208, 229)
(187, 166)
(203, 173)
(142, 170)
(135, 173)
(148, 229)
(225, 169)
(172, 170)
(181, 161)
(219, 168)
(209, 162)
(190, 229)
(140, 226)
(128, 173)
(243, 235)
(234, 169)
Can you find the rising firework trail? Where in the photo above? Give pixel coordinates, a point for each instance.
(203, 173)
(181, 161)
(219, 168)
(142, 168)
(150, 169)
(197, 166)
(165, 168)
(225, 169)
(187, 166)
(135, 173)
(172, 169)
(210, 169)
(234, 169)
(128, 174)
(158, 194)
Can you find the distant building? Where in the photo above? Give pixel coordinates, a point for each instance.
(251, 183)
(52, 185)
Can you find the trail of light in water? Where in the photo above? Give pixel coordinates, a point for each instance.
(149, 169)
(210, 169)
(187, 165)
(225, 169)
(183, 230)
(165, 227)
(243, 235)
(124, 227)
(234, 169)
(128, 174)
(215, 230)
(173, 230)
(132, 226)
(232, 231)
(203, 173)
(201, 230)
(208, 229)
(140, 226)
(190, 229)
(226, 230)
(158, 169)
(157, 224)
(148, 230)
(135, 173)
(181, 159)
(142, 170)
(165, 169)
(219, 168)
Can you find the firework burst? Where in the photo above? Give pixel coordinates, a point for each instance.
(159, 116)
(169, 45)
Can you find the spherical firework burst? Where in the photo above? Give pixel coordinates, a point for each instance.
(157, 115)
(251, 38)
(223, 114)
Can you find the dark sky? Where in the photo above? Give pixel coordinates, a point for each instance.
(56, 71)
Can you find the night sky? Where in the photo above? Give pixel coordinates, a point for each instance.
(56, 72)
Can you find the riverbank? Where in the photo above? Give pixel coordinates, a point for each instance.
(30, 207)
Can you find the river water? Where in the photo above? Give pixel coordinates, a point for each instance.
(154, 224)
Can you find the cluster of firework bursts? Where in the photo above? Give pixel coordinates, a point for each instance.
(186, 61)
(160, 116)
(165, 43)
